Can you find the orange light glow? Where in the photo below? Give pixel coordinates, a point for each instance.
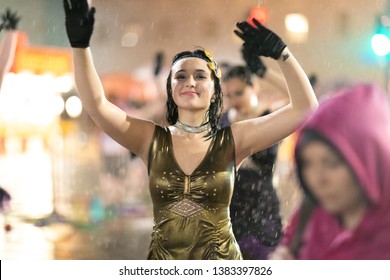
(41, 60)
(261, 14)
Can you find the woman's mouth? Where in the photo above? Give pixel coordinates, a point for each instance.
(189, 93)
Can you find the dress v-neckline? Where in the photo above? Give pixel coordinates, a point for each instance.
(172, 153)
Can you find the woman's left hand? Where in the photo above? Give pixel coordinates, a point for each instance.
(253, 62)
(261, 41)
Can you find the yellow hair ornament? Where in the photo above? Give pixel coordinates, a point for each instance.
(213, 65)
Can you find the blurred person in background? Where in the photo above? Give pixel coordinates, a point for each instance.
(254, 208)
(154, 109)
(342, 158)
(8, 25)
(191, 163)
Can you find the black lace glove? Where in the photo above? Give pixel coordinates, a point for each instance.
(262, 40)
(79, 20)
(9, 20)
(254, 62)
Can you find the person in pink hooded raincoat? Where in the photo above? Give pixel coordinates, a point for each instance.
(342, 157)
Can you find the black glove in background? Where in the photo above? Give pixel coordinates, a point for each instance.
(253, 62)
(79, 21)
(261, 40)
(9, 20)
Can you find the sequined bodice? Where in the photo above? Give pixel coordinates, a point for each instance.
(191, 212)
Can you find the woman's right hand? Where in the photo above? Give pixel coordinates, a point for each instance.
(281, 253)
(79, 21)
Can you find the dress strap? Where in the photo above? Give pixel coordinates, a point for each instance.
(159, 143)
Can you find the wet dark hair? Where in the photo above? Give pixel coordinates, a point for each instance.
(214, 112)
(241, 72)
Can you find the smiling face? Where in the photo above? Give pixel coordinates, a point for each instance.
(192, 84)
(329, 178)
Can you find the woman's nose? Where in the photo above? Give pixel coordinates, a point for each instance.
(191, 82)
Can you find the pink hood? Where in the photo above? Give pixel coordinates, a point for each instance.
(357, 122)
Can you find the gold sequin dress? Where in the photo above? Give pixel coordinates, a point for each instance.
(191, 212)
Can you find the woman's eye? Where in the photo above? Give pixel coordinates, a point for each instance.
(201, 77)
(180, 77)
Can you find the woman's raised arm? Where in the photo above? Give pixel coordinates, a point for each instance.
(134, 134)
(256, 134)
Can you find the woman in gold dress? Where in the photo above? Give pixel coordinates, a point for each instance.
(192, 162)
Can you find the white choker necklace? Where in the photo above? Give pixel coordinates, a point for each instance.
(192, 129)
